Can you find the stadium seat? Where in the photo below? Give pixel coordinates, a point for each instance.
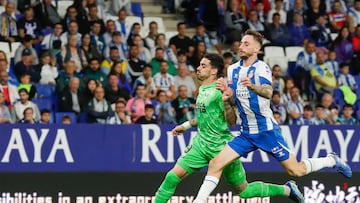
(4, 46)
(158, 20)
(14, 47)
(292, 52)
(275, 52)
(281, 61)
(130, 20)
(2, 9)
(60, 115)
(338, 98)
(110, 17)
(44, 91)
(137, 9)
(43, 103)
(62, 7)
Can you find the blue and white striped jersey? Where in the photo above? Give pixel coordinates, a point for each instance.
(254, 110)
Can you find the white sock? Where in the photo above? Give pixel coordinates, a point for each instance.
(209, 184)
(315, 164)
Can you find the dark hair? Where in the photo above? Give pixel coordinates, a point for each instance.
(149, 106)
(319, 106)
(308, 108)
(275, 92)
(23, 90)
(26, 109)
(343, 65)
(179, 24)
(347, 106)
(66, 117)
(158, 92)
(43, 111)
(216, 61)
(114, 48)
(257, 36)
(227, 55)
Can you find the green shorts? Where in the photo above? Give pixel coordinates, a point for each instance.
(197, 157)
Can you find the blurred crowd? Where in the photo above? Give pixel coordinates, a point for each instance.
(98, 70)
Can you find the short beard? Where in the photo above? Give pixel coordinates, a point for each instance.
(246, 56)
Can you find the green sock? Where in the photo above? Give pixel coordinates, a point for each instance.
(167, 188)
(261, 189)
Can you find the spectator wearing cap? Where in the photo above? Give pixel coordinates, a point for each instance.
(25, 65)
(29, 25)
(47, 14)
(27, 43)
(8, 26)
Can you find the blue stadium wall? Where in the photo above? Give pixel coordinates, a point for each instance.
(107, 163)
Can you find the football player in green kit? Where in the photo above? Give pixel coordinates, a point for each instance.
(213, 134)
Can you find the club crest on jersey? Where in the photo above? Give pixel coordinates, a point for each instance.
(251, 74)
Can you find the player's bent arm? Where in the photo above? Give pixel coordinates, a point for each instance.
(262, 90)
(230, 114)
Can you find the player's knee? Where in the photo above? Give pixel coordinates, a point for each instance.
(294, 172)
(214, 165)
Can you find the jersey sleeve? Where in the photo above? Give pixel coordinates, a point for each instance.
(265, 76)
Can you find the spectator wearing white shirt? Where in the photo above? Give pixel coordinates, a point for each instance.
(52, 38)
(278, 8)
(183, 78)
(345, 78)
(119, 117)
(49, 71)
(20, 106)
(165, 81)
(294, 107)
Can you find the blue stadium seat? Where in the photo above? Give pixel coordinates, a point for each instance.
(44, 91)
(136, 9)
(43, 103)
(339, 98)
(60, 115)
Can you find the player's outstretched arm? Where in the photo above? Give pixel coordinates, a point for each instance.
(180, 129)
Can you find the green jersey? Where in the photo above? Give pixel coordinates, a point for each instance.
(213, 131)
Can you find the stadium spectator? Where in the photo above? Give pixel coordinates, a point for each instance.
(123, 5)
(9, 32)
(20, 106)
(70, 98)
(163, 110)
(345, 78)
(183, 59)
(255, 24)
(279, 33)
(315, 9)
(82, 16)
(5, 116)
(26, 66)
(116, 41)
(320, 117)
(72, 29)
(25, 84)
(134, 30)
(29, 25)
(10, 91)
(45, 116)
(235, 22)
(98, 108)
(49, 70)
(144, 53)
(26, 43)
(356, 38)
(304, 63)
(135, 107)
(262, 7)
(181, 41)
(89, 91)
(137, 65)
(47, 14)
(298, 31)
(327, 101)
(295, 107)
(28, 116)
(119, 117)
(64, 77)
(149, 117)
(278, 8)
(332, 63)
(320, 32)
(121, 25)
(96, 37)
(308, 115)
(338, 18)
(53, 40)
(114, 56)
(165, 81)
(66, 120)
(113, 92)
(156, 62)
(347, 118)
(325, 80)
(278, 82)
(211, 43)
(277, 106)
(151, 37)
(343, 46)
(184, 106)
(90, 50)
(183, 78)
(354, 13)
(124, 78)
(277, 118)
(200, 51)
(110, 29)
(298, 8)
(93, 71)
(147, 80)
(160, 41)
(73, 52)
(93, 17)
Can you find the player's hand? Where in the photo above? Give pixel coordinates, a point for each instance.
(178, 130)
(221, 84)
(246, 81)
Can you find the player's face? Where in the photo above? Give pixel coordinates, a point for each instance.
(248, 47)
(204, 69)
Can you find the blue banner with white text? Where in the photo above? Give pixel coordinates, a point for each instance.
(148, 148)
